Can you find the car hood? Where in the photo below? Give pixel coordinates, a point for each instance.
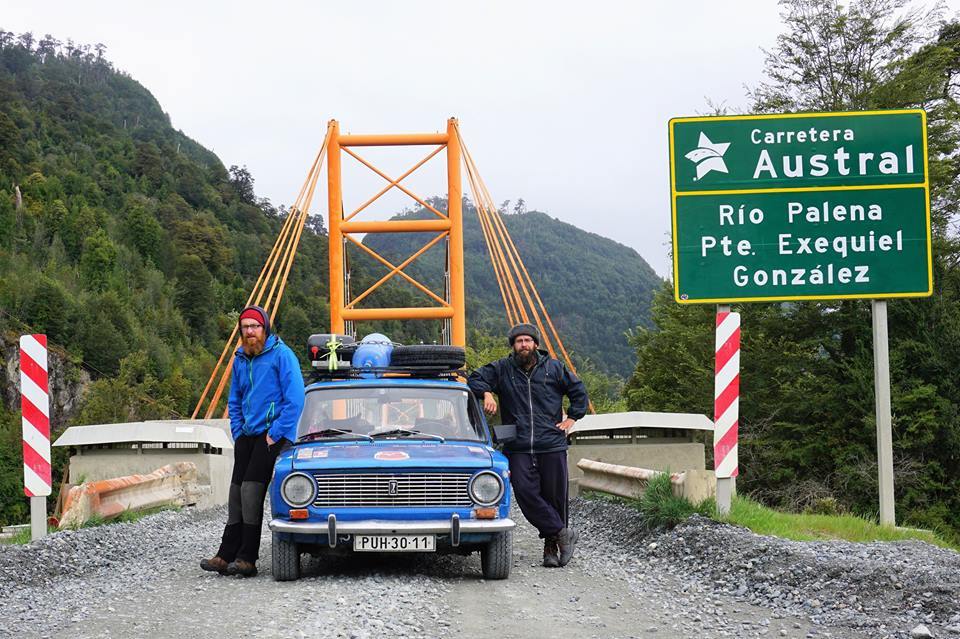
(388, 455)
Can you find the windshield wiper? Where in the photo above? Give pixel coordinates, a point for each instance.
(406, 432)
(332, 432)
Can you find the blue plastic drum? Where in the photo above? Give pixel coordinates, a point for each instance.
(373, 351)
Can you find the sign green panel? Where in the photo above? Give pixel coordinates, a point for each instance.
(806, 244)
(812, 206)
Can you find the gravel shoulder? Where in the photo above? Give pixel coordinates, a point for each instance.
(700, 580)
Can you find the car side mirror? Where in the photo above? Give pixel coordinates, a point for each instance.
(504, 433)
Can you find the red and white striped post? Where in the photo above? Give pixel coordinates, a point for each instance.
(726, 405)
(35, 407)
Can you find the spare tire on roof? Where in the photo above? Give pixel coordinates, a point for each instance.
(433, 355)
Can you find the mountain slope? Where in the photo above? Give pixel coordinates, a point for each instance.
(594, 288)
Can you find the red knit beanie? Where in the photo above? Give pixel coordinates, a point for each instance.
(258, 314)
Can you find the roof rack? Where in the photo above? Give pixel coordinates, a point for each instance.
(422, 372)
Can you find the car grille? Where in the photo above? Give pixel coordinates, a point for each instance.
(413, 489)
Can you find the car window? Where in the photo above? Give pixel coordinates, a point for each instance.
(368, 411)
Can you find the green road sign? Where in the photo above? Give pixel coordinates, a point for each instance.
(812, 206)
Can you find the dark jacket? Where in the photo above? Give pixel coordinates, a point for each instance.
(266, 392)
(533, 400)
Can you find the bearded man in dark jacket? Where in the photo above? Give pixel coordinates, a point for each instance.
(531, 386)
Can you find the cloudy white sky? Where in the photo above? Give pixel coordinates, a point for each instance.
(563, 104)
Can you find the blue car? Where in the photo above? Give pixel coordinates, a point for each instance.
(391, 459)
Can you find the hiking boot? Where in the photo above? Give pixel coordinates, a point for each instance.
(214, 565)
(551, 554)
(567, 540)
(242, 568)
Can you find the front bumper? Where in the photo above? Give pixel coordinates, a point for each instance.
(387, 527)
(332, 529)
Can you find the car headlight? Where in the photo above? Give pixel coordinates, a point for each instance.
(298, 489)
(486, 488)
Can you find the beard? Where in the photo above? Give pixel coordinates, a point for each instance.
(253, 344)
(526, 358)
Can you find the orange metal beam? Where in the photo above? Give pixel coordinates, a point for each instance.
(402, 139)
(455, 254)
(433, 312)
(393, 183)
(395, 270)
(396, 226)
(335, 206)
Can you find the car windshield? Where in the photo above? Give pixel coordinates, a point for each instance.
(402, 412)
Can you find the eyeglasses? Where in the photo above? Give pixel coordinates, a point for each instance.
(250, 327)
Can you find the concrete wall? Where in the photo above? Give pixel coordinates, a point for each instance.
(654, 455)
(212, 470)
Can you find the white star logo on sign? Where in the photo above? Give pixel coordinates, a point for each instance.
(708, 156)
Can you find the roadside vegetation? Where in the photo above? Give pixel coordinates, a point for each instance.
(811, 526)
(807, 426)
(660, 509)
(24, 535)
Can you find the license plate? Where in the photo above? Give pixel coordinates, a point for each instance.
(395, 543)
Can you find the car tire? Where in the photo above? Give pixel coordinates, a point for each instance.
(496, 557)
(286, 559)
(428, 355)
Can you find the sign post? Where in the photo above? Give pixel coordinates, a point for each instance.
(35, 408)
(813, 206)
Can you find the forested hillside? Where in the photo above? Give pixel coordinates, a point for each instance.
(807, 430)
(595, 289)
(132, 247)
(122, 239)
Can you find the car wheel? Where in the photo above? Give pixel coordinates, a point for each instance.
(496, 557)
(286, 559)
(428, 355)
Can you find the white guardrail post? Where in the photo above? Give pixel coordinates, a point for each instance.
(726, 406)
(35, 408)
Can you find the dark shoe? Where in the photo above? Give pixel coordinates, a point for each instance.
(242, 568)
(214, 565)
(567, 540)
(551, 554)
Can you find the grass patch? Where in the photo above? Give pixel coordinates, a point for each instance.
(659, 509)
(126, 516)
(812, 527)
(24, 536)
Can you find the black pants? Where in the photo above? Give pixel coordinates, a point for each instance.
(540, 486)
(252, 468)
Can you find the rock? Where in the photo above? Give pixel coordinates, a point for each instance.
(920, 631)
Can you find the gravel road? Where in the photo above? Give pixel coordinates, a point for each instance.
(700, 580)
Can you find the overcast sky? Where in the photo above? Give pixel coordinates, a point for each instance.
(563, 104)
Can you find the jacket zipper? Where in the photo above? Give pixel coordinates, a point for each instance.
(530, 401)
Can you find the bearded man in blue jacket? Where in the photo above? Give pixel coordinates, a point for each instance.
(531, 386)
(266, 399)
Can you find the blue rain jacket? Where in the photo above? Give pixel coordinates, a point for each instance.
(266, 392)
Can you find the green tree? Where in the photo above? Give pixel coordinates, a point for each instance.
(194, 294)
(98, 260)
(806, 414)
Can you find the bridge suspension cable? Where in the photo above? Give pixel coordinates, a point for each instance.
(521, 300)
(272, 281)
(508, 267)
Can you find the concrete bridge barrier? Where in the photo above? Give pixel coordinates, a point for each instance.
(171, 485)
(631, 482)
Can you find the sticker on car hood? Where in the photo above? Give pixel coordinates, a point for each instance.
(391, 455)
